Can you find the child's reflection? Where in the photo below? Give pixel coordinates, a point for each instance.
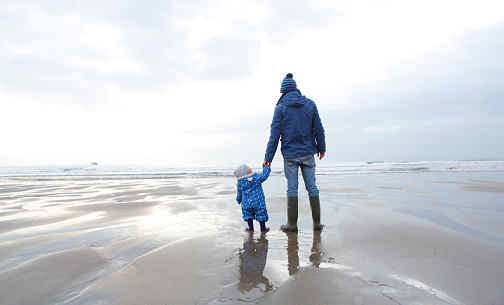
(293, 251)
(252, 263)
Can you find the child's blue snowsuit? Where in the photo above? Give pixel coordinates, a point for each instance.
(251, 196)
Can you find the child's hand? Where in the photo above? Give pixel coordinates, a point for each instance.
(239, 202)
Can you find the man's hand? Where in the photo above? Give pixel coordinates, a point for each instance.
(321, 155)
(266, 164)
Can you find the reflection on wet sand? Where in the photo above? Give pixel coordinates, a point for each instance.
(253, 285)
(293, 251)
(252, 263)
(316, 255)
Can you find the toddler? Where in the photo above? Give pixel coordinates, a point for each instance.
(251, 196)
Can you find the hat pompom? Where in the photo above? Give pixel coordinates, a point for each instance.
(289, 75)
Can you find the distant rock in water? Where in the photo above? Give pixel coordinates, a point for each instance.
(94, 163)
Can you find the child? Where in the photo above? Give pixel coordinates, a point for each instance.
(251, 196)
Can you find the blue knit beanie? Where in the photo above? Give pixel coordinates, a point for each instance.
(287, 83)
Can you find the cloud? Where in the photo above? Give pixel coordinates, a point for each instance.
(287, 19)
(77, 54)
(80, 52)
(381, 128)
(447, 102)
(462, 78)
(209, 71)
(229, 57)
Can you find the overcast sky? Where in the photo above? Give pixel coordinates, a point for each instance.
(132, 82)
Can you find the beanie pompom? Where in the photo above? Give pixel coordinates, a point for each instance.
(289, 75)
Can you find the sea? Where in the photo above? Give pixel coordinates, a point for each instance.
(225, 170)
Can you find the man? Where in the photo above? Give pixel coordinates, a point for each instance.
(297, 124)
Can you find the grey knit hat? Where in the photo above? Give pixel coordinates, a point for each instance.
(241, 171)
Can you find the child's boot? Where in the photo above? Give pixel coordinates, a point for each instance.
(250, 227)
(292, 215)
(263, 226)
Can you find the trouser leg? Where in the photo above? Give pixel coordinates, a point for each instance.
(308, 165)
(291, 169)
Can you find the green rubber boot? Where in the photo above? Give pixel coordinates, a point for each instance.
(315, 210)
(292, 215)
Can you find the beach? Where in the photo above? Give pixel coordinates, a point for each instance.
(405, 238)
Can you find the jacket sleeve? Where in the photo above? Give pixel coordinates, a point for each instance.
(318, 129)
(264, 175)
(276, 131)
(238, 194)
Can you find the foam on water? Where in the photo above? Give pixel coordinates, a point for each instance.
(218, 170)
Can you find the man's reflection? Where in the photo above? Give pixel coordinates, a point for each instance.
(252, 263)
(316, 255)
(293, 251)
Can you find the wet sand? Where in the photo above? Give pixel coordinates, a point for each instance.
(419, 238)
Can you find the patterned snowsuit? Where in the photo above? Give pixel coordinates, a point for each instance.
(251, 196)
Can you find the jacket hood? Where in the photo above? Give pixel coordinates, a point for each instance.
(246, 181)
(293, 99)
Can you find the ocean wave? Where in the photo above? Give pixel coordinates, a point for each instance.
(188, 171)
